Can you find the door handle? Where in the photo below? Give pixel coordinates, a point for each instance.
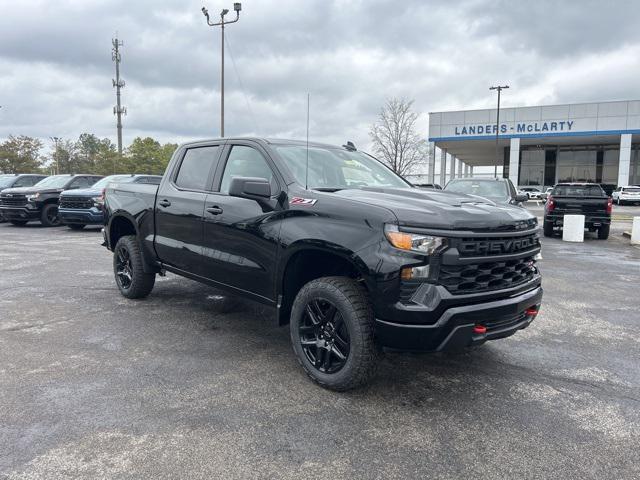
(164, 203)
(214, 210)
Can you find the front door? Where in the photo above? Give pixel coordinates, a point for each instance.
(240, 235)
(179, 208)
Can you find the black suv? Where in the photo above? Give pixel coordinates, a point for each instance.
(40, 202)
(15, 180)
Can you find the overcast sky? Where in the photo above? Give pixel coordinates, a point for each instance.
(56, 68)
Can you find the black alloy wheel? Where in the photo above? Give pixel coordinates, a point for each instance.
(124, 268)
(49, 216)
(324, 337)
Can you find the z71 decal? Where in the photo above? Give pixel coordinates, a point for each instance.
(303, 201)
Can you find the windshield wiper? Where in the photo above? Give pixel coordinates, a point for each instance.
(327, 189)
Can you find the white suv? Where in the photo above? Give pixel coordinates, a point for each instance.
(626, 195)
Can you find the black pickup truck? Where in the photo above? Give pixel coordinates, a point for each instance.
(351, 255)
(588, 199)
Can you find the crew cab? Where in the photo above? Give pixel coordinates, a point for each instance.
(350, 255)
(622, 195)
(15, 180)
(79, 208)
(40, 202)
(588, 199)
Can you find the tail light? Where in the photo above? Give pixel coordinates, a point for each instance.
(609, 205)
(551, 204)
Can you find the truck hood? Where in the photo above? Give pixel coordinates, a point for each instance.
(441, 210)
(30, 190)
(84, 192)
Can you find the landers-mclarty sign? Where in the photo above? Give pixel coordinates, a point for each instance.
(521, 127)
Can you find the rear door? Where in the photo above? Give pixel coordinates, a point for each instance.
(240, 240)
(180, 205)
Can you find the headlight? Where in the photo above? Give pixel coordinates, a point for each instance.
(416, 242)
(33, 198)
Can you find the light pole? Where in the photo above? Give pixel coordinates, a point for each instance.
(499, 88)
(236, 7)
(56, 140)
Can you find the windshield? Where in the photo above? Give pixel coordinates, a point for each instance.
(334, 168)
(56, 181)
(112, 178)
(487, 188)
(578, 191)
(5, 181)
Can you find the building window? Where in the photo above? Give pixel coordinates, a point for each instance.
(577, 165)
(532, 167)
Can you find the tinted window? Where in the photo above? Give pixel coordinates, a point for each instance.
(25, 182)
(245, 162)
(195, 167)
(148, 180)
(578, 191)
(81, 182)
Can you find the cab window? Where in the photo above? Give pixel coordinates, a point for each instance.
(196, 166)
(246, 161)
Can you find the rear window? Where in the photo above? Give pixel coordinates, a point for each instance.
(578, 191)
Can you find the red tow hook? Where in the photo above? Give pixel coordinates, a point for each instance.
(479, 329)
(532, 311)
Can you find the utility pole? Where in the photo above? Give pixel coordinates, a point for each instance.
(56, 154)
(118, 84)
(499, 88)
(236, 7)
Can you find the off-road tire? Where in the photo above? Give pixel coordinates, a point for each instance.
(547, 229)
(46, 214)
(141, 283)
(76, 226)
(603, 232)
(352, 302)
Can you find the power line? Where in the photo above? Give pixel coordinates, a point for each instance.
(242, 89)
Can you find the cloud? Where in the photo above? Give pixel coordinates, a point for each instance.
(56, 63)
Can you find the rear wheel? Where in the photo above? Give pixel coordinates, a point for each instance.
(332, 333)
(603, 232)
(18, 223)
(76, 226)
(548, 229)
(130, 276)
(49, 216)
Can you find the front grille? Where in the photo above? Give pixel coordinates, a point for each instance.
(487, 246)
(14, 200)
(486, 276)
(76, 202)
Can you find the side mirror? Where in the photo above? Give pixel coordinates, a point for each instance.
(250, 187)
(521, 198)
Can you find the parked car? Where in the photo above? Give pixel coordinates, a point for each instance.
(40, 202)
(545, 195)
(347, 252)
(15, 180)
(498, 190)
(429, 186)
(79, 208)
(588, 199)
(622, 195)
(532, 193)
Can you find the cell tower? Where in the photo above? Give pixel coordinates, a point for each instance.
(118, 110)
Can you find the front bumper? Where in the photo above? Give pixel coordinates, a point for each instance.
(19, 213)
(92, 216)
(455, 327)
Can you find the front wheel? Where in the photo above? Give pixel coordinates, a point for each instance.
(131, 278)
(332, 333)
(49, 216)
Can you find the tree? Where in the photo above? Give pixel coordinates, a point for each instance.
(146, 155)
(395, 139)
(20, 155)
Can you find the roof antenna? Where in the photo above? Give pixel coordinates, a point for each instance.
(306, 173)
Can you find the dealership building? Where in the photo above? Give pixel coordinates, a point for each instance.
(541, 146)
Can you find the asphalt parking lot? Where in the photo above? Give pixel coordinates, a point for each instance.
(192, 384)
